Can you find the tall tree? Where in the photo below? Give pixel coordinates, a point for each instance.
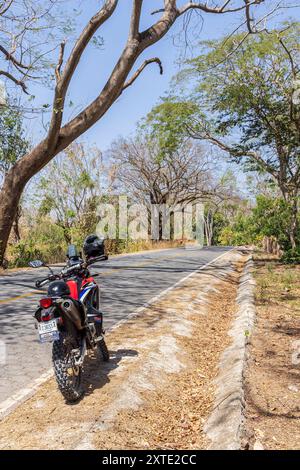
(246, 92)
(60, 135)
(183, 177)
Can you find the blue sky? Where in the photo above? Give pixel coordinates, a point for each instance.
(96, 65)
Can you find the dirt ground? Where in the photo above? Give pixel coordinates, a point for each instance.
(157, 391)
(273, 376)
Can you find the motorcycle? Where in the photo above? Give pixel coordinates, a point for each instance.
(70, 318)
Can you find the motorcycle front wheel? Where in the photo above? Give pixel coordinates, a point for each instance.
(68, 376)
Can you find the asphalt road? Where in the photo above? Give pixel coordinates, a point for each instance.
(126, 282)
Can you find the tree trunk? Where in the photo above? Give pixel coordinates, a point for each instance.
(208, 228)
(18, 176)
(16, 226)
(10, 197)
(13, 186)
(67, 236)
(294, 224)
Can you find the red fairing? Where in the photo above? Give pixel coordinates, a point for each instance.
(87, 280)
(73, 289)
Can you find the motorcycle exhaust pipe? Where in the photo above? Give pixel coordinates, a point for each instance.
(72, 313)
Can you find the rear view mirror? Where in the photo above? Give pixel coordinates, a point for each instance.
(36, 263)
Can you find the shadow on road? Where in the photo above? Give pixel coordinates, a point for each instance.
(96, 372)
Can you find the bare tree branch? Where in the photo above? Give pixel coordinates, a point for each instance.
(60, 61)
(222, 9)
(135, 18)
(5, 7)
(141, 68)
(65, 76)
(12, 59)
(93, 25)
(15, 80)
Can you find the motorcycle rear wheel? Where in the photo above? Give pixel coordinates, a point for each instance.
(69, 379)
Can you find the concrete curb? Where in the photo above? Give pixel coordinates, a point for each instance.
(225, 424)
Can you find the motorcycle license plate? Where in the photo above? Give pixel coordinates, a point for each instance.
(48, 331)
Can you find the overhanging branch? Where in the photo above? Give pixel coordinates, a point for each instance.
(217, 10)
(15, 80)
(140, 69)
(60, 61)
(204, 134)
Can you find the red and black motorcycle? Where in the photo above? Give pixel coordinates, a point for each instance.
(70, 317)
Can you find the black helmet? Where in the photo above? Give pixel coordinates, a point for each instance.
(58, 289)
(93, 246)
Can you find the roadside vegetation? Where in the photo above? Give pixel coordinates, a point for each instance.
(226, 134)
(272, 377)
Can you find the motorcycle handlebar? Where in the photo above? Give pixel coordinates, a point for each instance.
(98, 258)
(41, 283)
(45, 281)
(68, 271)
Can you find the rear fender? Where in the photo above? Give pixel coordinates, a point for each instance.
(46, 314)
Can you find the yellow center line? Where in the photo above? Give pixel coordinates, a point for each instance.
(17, 297)
(106, 273)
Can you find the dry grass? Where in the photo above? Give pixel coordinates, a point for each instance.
(273, 377)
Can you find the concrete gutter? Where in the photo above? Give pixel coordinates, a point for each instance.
(225, 425)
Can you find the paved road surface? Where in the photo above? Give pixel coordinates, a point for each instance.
(127, 282)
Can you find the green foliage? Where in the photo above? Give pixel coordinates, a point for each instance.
(68, 190)
(45, 240)
(269, 217)
(13, 144)
(291, 256)
(167, 123)
(240, 232)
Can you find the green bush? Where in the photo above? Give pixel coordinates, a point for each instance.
(291, 256)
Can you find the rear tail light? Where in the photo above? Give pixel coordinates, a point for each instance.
(46, 303)
(46, 318)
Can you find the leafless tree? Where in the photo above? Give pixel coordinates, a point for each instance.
(170, 183)
(27, 38)
(183, 177)
(60, 135)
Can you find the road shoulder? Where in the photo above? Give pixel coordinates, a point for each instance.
(158, 389)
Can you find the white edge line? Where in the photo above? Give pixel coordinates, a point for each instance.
(10, 404)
